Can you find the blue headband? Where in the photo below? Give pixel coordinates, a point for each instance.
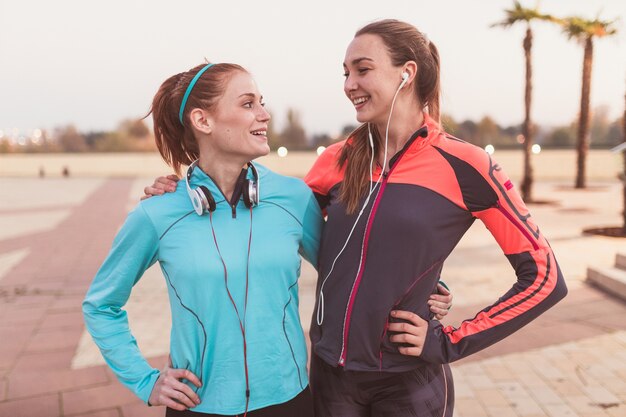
(186, 96)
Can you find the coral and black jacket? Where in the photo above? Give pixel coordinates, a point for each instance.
(435, 188)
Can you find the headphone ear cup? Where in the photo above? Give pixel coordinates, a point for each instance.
(196, 201)
(208, 199)
(247, 200)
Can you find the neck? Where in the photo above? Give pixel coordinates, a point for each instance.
(223, 170)
(402, 125)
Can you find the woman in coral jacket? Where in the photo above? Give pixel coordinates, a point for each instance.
(399, 194)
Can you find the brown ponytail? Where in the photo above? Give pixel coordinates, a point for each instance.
(404, 43)
(176, 142)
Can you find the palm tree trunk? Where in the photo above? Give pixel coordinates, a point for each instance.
(527, 128)
(583, 124)
(624, 172)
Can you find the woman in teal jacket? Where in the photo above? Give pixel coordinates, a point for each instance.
(228, 242)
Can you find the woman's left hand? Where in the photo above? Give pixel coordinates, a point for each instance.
(412, 332)
(441, 302)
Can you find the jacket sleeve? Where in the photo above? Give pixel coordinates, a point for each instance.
(134, 250)
(312, 223)
(324, 174)
(539, 284)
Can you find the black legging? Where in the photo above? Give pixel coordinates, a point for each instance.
(300, 406)
(427, 391)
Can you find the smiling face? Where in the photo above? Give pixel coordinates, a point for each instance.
(371, 78)
(239, 121)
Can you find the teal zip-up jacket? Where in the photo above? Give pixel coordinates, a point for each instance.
(205, 336)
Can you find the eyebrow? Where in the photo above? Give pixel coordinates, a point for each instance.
(251, 95)
(357, 61)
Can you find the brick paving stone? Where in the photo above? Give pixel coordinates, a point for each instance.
(15, 337)
(499, 411)
(566, 387)
(23, 316)
(67, 303)
(600, 395)
(479, 382)
(139, 409)
(7, 358)
(96, 398)
(544, 395)
(614, 384)
(42, 406)
(560, 410)
(582, 404)
(527, 407)
(62, 320)
(597, 414)
(463, 390)
(113, 412)
(617, 411)
(469, 407)
(44, 361)
(492, 397)
(29, 383)
(498, 373)
(56, 339)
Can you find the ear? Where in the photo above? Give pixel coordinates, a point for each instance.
(410, 67)
(201, 120)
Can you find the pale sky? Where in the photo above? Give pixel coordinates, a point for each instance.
(93, 64)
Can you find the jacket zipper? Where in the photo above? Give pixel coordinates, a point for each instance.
(357, 282)
(355, 287)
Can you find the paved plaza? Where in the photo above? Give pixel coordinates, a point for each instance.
(55, 232)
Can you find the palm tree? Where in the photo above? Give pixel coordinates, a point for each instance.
(584, 31)
(624, 172)
(520, 14)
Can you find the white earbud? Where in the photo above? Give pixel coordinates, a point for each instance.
(405, 78)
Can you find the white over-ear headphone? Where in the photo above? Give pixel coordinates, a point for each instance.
(203, 201)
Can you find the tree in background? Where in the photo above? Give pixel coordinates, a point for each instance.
(487, 131)
(70, 140)
(274, 139)
(131, 135)
(520, 14)
(293, 135)
(449, 125)
(134, 128)
(584, 31)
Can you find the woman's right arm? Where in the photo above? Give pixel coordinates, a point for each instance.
(134, 250)
(161, 185)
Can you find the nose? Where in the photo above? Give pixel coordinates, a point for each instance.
(263, 115)
(349, 85)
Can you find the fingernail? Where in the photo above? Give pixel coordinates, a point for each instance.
(393, 313)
